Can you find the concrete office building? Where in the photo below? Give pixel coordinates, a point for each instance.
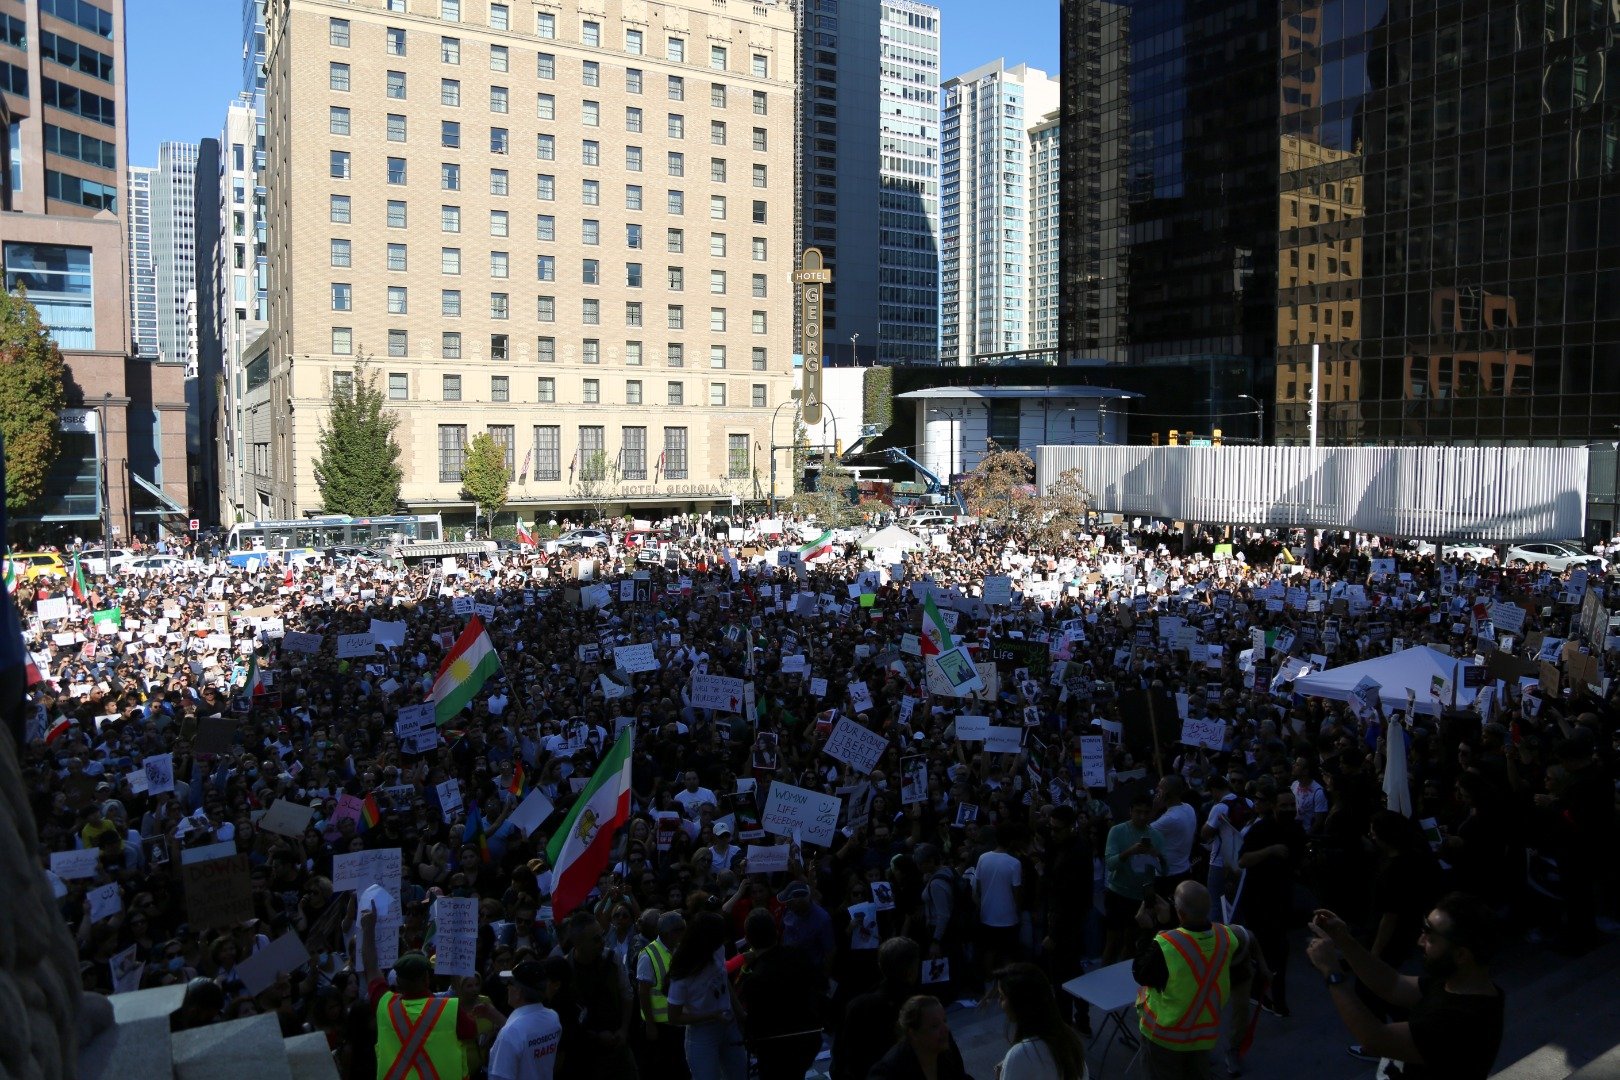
(569, 226)
(988, 177)
(174, 250)
(142, 275)
(869, 173)
(63, 189)
(1045, 234)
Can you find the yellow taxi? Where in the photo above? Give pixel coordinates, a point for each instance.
(28, 565)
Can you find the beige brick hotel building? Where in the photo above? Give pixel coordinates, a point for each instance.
(567, 224)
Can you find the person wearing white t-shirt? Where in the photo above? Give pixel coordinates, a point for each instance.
(701, 999)
(526, 1046)
(1178, 824)
(998, 885)
(692, 796)
(1222, 833)
(1310, 798)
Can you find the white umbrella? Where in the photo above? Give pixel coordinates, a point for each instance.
(1397, 787)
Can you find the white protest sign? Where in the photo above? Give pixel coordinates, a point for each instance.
(768, 859)
(1207, 733)
(413, 720)
(972, 728)
(717, 692)
(449, 797)
(287, 818)
(1093, 762)
(352, 871)
(1003, 740)
(127, 970)
(461, 605)
(349, 645)
(52, 609)
(790, 808)
(818, 687)
(390, 635)
(635, 658)
(105, 902)
(295, 642)
(455, 936)
(998, 591)
(285, 954)
(159, 774)
(860, 697)
(531, 812)
(855, 746)
(1507, 618)
(71, 865)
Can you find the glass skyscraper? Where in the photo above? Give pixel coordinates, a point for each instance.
(1423, 190)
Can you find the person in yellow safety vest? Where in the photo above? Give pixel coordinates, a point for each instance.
(1184, 979)
(665, 1045)
(419, 1035)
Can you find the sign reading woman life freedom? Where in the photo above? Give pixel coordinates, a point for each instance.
(811, 276)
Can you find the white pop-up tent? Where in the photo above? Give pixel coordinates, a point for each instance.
(893, 538)
(1413, 668)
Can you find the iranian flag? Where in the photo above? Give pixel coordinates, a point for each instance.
(11, 574)
(936, 635)
(470, 663)
(255, 679)
(525, 537)
(78, 584)
(580, 850)
(815, 549)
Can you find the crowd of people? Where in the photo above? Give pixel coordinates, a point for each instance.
(179, 715)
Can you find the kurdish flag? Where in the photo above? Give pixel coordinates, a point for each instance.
(815, 549)
(78, 583)
(936, 635)
(469, 664)
(580, 850)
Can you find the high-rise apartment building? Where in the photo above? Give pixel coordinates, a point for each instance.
(1425, 195)
(174, 251)
(142, 274)
(869, 173)
(63, 236)
(1045, 234)
(987, 186)
(567, 226)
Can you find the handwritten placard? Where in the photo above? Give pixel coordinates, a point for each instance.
(455, 937)
(812, 814)
(856, 746)
(219, 892)
(352, 645)
(294, 642)
(635, 658)
(768, 858)
(1210, 734)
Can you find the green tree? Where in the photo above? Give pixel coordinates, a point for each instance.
(358, 469)
(1000, 490)
(484, 478)
(834, 502)
(31, 398)
(1062, 509)
(598, 484)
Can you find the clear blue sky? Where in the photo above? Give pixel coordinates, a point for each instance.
(185, 58)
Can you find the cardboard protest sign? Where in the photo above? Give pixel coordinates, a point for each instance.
(856, 746)
(812, 814)
(717, 692)
(768, 858)
(1208, 733)
(635, 658)
(287, 818)
(219, 892)
(294, 642)
(531, 812)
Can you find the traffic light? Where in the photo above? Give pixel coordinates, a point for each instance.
(1175, 437)
(1216, 436)
(1155, 438)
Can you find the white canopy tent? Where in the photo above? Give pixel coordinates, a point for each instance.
(1413, 668)
(894, 538)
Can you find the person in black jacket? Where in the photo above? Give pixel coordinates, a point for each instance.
(781, 988)
(869, 1023)
(925, 1050)
(1066, 892)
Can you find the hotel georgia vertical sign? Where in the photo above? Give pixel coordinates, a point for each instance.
(811, 277)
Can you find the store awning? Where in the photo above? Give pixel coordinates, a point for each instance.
(165, 505)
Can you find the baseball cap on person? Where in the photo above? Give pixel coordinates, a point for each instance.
(722, 829)
(530, 975)
(413, 964)
(796, 891)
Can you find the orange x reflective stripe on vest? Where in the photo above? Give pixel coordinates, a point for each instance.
(1199, 1023)
(413, 1039)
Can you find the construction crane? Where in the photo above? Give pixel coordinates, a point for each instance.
(936, 486)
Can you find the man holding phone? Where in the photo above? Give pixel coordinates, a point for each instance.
(1134, 859)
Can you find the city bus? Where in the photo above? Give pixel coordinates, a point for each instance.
(318, 533)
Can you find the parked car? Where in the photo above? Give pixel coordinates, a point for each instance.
(33, 564)
(584, 538)
(930, 519)
(1557, 557)
(94, 560)
(153, 564)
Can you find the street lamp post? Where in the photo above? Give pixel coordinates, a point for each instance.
(774, 447)
(1259, 417)
(106, 487)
